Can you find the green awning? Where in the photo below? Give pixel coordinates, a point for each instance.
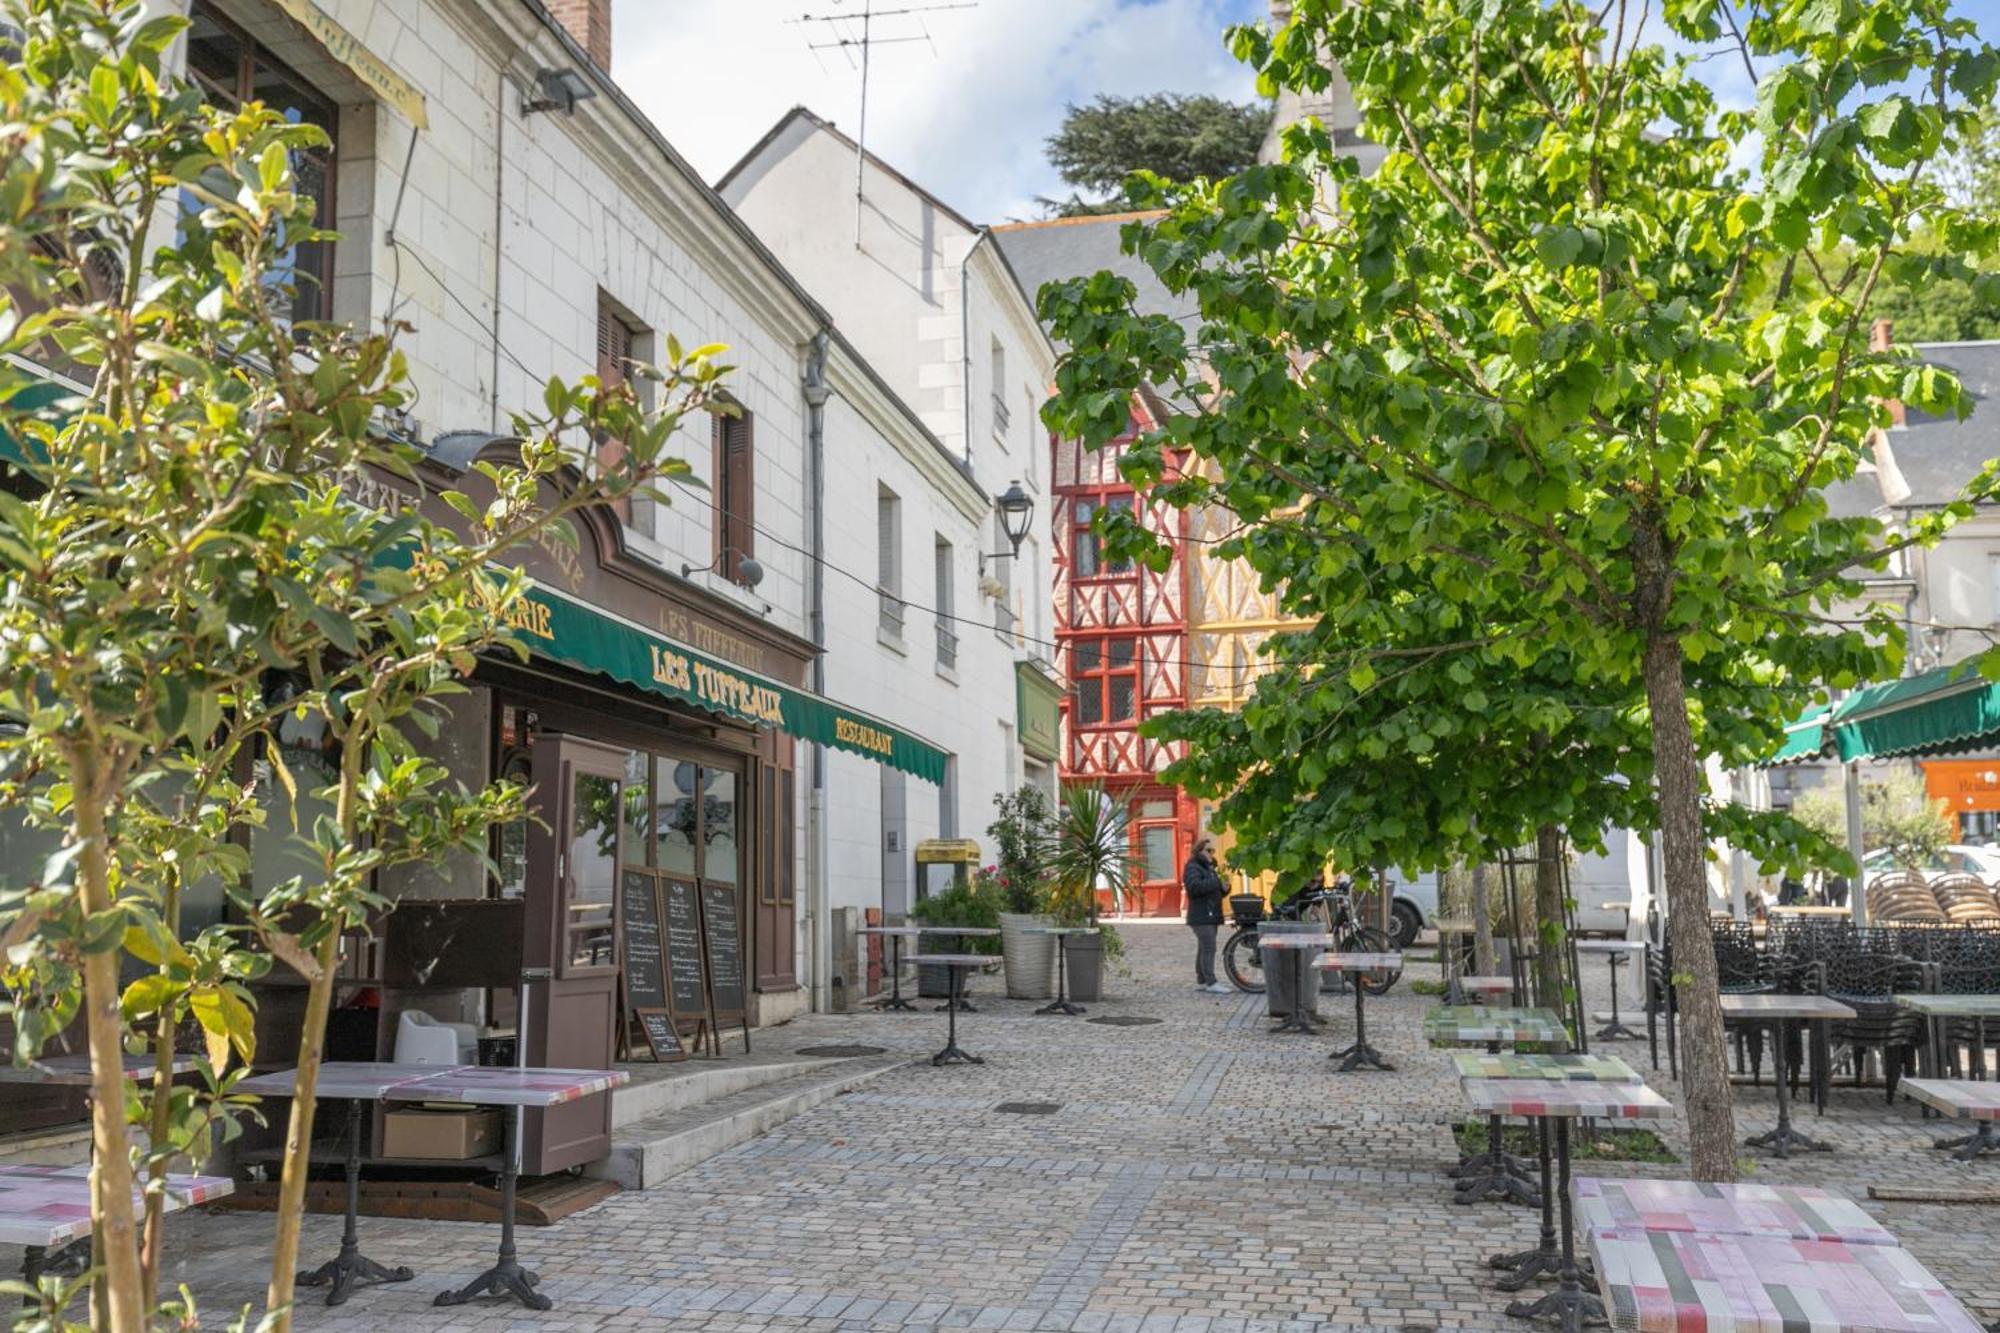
(1804, 738)
(562, 629)
(35, 397)
(1949, 708)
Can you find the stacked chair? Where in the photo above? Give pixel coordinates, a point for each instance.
(1904, 897)
(1966, 901)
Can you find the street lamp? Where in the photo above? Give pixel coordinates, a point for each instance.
(1017, 515)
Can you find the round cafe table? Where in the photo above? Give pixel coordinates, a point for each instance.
(1296, 1018)
(895, 935)
(1615, 952)
(1360, 1054)
(1061, 1004)
(957, 964)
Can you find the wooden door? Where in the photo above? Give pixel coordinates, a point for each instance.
(575, 848)
(773, 924)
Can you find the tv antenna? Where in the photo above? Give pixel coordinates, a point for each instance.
(854, 37)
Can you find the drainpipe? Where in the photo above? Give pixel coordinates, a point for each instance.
(965, 331)
(819, 905)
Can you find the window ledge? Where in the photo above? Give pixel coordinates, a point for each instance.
(891, 640)
(946, 673)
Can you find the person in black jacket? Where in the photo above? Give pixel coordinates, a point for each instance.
(1204, 887)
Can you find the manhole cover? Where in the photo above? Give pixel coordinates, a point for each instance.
(840, 1052)
(1028, 1108)
(1123, 1021)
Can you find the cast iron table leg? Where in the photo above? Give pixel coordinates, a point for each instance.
(951, 1054)
(1971, 1145)
(1360, 1053)
(1615, 1030)
(342, 1272)
(31, 1273)
(1061, 1004)
(507, 1277)
(959, 1000)
(1295, 1017)
(1474, 1168)
(1569, 1304)
(896, 1000)
(1652, 1019)
(1784, 1138)
(1545, 1260)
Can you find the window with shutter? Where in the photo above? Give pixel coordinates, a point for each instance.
(735, 492)
(947, 628)
(888, 561)
(615, 336)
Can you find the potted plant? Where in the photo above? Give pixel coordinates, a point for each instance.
(1022, 834)
(1091, 854)
(960, 905)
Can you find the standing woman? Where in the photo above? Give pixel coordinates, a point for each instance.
(1204, 887)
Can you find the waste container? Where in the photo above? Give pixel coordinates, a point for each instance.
(1281, 966)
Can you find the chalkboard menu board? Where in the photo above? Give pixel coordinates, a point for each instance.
(639, 912)
(657, 1026)
(724, 932)
(687, 995)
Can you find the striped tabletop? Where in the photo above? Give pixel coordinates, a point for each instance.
(1665, 1281)
(1539, 1097)
(1462, 1024)
(1797, 1212)
(1357, 962)
(50, 1205)
(1556, 1068)
(1952, 1006)
(481, 1085)
(1319, 940)
(1486, 985)
(1959, 1098)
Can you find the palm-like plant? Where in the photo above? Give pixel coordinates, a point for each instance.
(1091, 850)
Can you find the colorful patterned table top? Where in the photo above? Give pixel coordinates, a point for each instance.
(1460, 1024)
(1554, 1068)
(979, 931)
(1357, 962)
(1316, 940)
(74, 1070)
(907, 932)
(1487, 985)
(1610, 946)
(1798, 1212)
(1952, 1006)
(1783, 1006)
(951, 959)
(1541, 1097)
(1959, 1098)
(50, 1205)
(1063, 930)
(482, 1085)
(1664, 1281)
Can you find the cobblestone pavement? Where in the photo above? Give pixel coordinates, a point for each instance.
(1200, 1176)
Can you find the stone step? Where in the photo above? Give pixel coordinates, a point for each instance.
(648, 1151)
(676, 1087)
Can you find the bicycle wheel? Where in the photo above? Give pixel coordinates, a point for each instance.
(1367, 939)
(1244, 962)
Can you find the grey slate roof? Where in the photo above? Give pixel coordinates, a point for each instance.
(1938, 457)
(1078, 247)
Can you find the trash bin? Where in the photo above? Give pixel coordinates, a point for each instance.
(1280, 967)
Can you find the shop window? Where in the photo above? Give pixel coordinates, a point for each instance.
(722, 857)
(231, 69)
(1088, 560)
(735, 493)
(1104, 679)
(679, 820)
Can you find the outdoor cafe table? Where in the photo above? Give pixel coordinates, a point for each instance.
(1781, 1011)
(73, 1071)
(957, 964)
(1061, 1004)
(1569, 1304)
(1936, 1008)
(44, 1207)
(1295, 1017)
(1489, 989)
(1616, 951)
(1796, 1212)
(1360, 1053)
(960, 1000)
(895, 935)
(478, 1085)
(1961, 1099)
(1494, 1173)
(1666, 1281)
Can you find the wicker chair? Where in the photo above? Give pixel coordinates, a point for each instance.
(1967, 901)
(1903, 897)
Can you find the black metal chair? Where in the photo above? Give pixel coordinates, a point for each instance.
(1867, 982)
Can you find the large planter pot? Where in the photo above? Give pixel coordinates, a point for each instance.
(1030, 958)
(1086, 968)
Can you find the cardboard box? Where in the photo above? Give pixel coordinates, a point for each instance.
(448, 1134)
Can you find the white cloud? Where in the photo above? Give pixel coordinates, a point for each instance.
(964, 113)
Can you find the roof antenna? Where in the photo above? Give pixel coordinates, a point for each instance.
(846, 41)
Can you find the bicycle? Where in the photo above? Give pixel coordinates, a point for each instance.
(1329, 907)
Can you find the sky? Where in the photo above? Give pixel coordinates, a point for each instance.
(965, 107)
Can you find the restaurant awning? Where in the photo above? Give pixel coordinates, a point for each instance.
(1947, 709)
(562, 629)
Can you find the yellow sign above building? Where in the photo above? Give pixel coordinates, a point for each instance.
(364, 64)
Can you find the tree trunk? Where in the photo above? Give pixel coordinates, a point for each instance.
(123, 1309)
(298, 1138)
(162, 1112)
(1706, 1104)
(1483, 961)
(1551, 922)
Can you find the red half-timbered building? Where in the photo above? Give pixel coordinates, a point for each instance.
(1122, 639)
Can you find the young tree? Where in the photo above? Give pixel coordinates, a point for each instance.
(179, 534)
(1529, 354)
(1174, 135)
(1896, 812)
